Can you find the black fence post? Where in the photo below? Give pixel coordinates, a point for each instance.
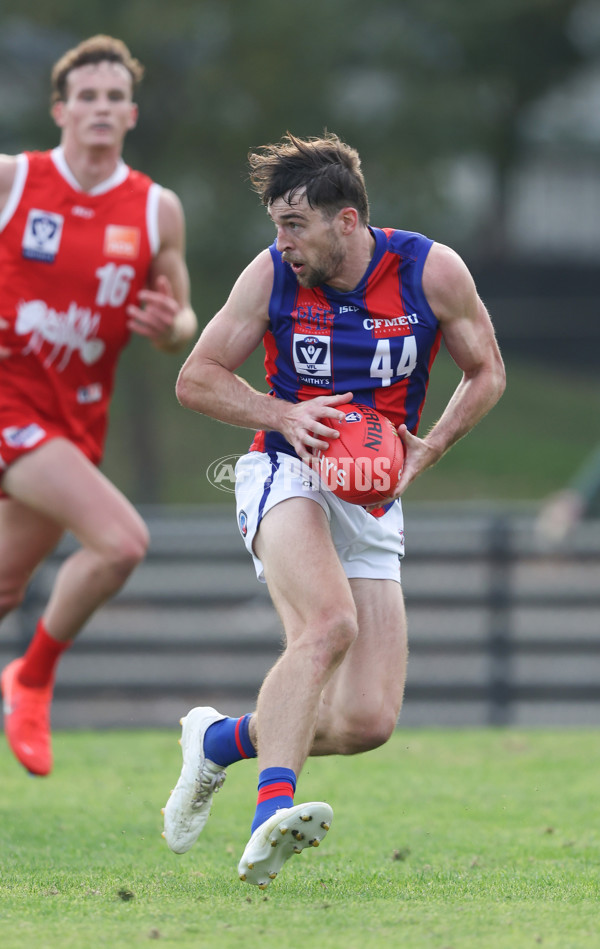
(500, 638)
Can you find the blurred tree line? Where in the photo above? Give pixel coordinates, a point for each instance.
(424, 91)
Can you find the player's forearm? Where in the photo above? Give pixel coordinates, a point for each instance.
(472, 399)
(214, 391)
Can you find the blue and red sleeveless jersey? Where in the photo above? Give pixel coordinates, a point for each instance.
(377, 341)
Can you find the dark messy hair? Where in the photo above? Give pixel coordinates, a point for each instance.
(326, 167)
(96, 49)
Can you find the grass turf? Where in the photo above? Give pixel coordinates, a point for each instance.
(441, 839)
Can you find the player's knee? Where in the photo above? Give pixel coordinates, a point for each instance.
(123, 550)
(337, 635)
(368, 729)
(326, 639)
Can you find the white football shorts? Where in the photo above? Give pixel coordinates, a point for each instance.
(370, 547)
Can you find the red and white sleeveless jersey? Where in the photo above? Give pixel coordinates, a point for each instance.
(70, 263)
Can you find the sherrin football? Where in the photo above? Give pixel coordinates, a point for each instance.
(362, 466)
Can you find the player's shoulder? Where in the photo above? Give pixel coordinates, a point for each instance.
(8, 169)
(406, 244)
(9, 165)
(253, 287)
(447, 281)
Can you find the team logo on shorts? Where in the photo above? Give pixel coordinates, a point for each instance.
(41, 239)
(25, 437)
(86, 395)
(243, 522)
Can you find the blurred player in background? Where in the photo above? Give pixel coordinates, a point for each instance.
(577, 501)
(345, 311)
(90, 251)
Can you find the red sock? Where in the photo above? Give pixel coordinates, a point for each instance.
(41, 658)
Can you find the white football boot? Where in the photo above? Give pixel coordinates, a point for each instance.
(188, 807)
(288, 831)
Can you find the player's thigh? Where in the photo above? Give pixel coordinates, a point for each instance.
(304, 575)
(60, 483)
(26, 538)
(374, 667)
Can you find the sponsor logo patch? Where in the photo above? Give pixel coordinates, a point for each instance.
(387, 327)
(122, 241)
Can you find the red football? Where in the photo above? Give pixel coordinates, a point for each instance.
(362, 465)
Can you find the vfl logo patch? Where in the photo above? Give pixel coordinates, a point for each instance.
(122, 242)
(353, 417)
(243, 522)
(312, 359)
(41, 239)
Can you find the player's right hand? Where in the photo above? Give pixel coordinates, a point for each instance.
(304, 424)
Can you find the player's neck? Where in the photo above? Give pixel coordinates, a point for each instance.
(91, 166)
(359, 255)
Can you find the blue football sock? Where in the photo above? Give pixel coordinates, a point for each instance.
(276, 787)
(228, 740)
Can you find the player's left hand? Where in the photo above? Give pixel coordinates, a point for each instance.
(418, 456)
(156, 313)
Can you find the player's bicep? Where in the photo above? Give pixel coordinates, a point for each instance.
(470, 338)
(170, 258)
(464, 321)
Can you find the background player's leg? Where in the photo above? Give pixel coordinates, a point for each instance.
(59, 483)
(56, 483)
(26, 538)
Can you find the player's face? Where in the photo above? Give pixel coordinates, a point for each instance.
(308, 241)
(98, 110)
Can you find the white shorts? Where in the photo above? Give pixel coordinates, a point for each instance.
(370, 547)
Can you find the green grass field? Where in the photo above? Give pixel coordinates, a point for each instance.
(440, 840)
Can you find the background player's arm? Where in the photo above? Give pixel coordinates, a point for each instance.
(208, 382)
(469, 337)
(8, 167)
(164, 314)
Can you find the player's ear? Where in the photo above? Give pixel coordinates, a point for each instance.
(133, 116)
(57, 111)
(348, 219)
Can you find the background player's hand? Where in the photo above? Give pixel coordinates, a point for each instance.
(304, 424)
(4, 350)
(156, 313)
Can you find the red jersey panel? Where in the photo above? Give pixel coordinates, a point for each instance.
(70, 263)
